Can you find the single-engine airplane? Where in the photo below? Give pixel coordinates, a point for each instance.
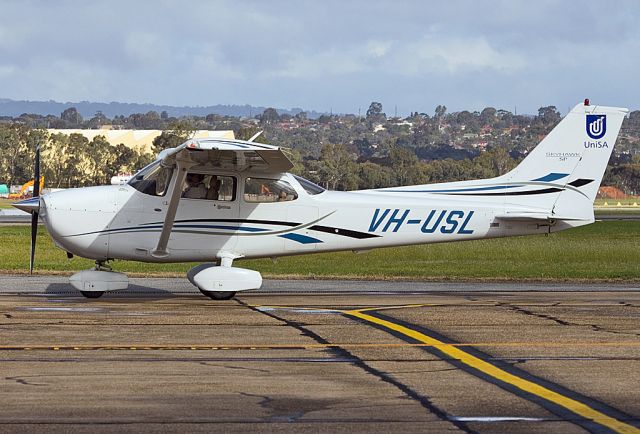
(221, 200)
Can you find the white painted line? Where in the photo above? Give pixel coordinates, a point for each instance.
(497, 419)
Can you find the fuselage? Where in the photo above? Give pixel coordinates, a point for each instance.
(122, 222)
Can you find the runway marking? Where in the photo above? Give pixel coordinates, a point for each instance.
(486, 368)
(403, 306)
(498, 419)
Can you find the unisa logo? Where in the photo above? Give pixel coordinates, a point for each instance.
(596, 126)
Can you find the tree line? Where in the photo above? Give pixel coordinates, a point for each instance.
(341, 152)
(66, 160)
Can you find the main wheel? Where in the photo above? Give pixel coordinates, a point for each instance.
(219, 295)
(92, 294)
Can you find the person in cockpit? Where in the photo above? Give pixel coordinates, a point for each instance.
(214, 188)
(194, 187)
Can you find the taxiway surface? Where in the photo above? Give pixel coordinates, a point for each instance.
(317, 356)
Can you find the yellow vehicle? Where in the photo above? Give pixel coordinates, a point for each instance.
(24, 190)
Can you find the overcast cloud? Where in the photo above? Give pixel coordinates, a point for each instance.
(338, 55)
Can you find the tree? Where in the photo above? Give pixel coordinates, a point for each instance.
(54, 159)
(98, 120)
(549, 114)
(16, 159)
(102, 157)
(177, 134)
(296, 158)
(403, 161)
(374, 110)
(440, 112)
(269, 116)
(373, 175)
(77, 172)
(337, 168)
(72, 116)
(488, 116)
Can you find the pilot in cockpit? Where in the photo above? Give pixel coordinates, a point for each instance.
(194, 187)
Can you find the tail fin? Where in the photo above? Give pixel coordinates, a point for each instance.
(560, 177)
(563, 173)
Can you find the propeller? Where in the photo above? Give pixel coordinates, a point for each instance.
(34, 213)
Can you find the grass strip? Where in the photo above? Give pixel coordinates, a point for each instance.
(603, 251)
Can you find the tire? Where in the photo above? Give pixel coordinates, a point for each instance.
(92, 294)
(219, 295)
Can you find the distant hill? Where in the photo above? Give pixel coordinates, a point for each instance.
(87, 109)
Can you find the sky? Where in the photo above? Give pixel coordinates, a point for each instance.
(324, 55)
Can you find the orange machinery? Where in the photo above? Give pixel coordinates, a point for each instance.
(24, 190)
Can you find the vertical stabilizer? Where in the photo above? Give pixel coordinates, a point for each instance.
(568, 165)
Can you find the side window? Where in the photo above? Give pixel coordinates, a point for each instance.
(224, 187)
(268, 190)
(209, 187)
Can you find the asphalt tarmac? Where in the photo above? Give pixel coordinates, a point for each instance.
(320, 356)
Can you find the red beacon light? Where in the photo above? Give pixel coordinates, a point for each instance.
(586, 101)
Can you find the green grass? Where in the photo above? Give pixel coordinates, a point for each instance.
(6, 203)
(612, 203)
(602, 251)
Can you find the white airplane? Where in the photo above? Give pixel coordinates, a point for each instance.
(220, 200)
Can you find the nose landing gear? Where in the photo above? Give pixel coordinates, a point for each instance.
(93, 283)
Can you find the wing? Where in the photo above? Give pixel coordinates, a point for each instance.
(234, 155)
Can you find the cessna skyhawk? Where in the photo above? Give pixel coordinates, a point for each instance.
(215, 201)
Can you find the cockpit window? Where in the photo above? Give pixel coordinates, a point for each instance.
(153, 179)
(308, 186)
(210, 187)
(268, 190)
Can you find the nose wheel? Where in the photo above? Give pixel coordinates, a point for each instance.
(219, 295)
(92, 294)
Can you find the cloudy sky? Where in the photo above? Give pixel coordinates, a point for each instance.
(324, 55)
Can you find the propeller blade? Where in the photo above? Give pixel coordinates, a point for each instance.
(34, 213)
(36, 175)
(34, 234)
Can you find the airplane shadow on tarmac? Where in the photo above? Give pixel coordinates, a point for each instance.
(132, 293)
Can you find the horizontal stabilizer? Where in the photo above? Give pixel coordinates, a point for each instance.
(535, 217)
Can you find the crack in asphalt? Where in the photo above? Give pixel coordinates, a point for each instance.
(268, 403)
(384, 376)
(21, 380)
(234, 367)
(559, 321)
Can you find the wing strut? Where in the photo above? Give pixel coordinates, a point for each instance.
(183, 164)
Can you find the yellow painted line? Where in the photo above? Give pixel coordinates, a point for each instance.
(404, 306)
(499, 374)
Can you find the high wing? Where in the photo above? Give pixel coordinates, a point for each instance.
(236, 155)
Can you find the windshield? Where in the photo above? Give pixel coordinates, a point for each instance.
(153, 179)
(308, 186)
